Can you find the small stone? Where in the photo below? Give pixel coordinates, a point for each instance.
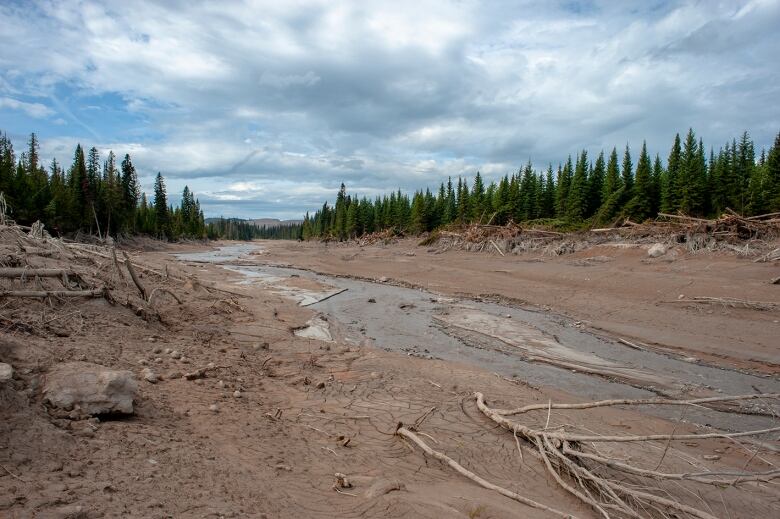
(321, 385)
(149, 375)
(214, 408)
(168, 351)
(211, 365)
(158, 360)
(6, 372)
(175, 354)
(184, 360)
(236, 394)
(383, 279)
(371, 300)
(711, 457)
(157, 350)
(173, 375)
(143, 362)
(657, 250)
(221, 384)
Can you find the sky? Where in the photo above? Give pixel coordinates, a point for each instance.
(265, 107)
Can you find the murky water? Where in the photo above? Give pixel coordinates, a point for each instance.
(424, 324)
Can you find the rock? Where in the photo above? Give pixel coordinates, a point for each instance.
(236, 394)
(175, 354)
(371, 300)
(94, 389)
(711, 457)
(63, 512)
(173, 375)
(149, 375)
(214, 408)
(382, 487)
(6, 372)
(383, 279)
(657, 250)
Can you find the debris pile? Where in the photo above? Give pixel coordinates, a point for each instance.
(748, 236)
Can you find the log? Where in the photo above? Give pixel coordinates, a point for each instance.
(686, 218)
(134, 276)
(15, 272)
(98, 292)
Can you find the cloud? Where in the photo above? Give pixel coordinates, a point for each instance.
(35, 110)
(273, 96)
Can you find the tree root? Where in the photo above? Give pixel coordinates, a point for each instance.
(566, 454)
(409, 435)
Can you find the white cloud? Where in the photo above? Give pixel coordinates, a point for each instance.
(36, 110)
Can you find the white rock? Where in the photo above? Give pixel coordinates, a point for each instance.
(657, 250)
(175, 354)
(237, 394)
(93, 388)
(214, 408)
(149, 375)
(6, 372)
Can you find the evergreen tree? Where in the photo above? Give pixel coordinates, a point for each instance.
(641, 204)
(161, 216)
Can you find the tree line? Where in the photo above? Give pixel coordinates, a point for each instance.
(92, 195)
(580, 193)
(237, 229)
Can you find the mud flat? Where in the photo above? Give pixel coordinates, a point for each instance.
(536, 347)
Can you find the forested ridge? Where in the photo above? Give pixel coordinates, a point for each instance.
(579, 193)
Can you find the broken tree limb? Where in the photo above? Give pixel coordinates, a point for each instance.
(409, 435)
(133, 275)
(327, 297)
(98, 292)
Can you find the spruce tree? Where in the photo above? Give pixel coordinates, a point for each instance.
(161, 216)
(640, 206)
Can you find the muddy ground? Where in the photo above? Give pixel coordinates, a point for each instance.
(322, 388)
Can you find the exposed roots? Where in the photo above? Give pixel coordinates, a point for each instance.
(599, 481)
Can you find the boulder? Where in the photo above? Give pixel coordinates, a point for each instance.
(91, 388)
(6, 372)
(657, 250)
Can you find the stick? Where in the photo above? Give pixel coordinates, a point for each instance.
(98, 292)
(409, 435)
(134, 276)
(163, 290)
(327, 297)
(496, 246)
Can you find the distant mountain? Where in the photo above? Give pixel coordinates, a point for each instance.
(260, 222)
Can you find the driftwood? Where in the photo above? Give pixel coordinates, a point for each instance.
(98, 292)
(16, 272)
(728, 301)
(134, 276)
(409, 435)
